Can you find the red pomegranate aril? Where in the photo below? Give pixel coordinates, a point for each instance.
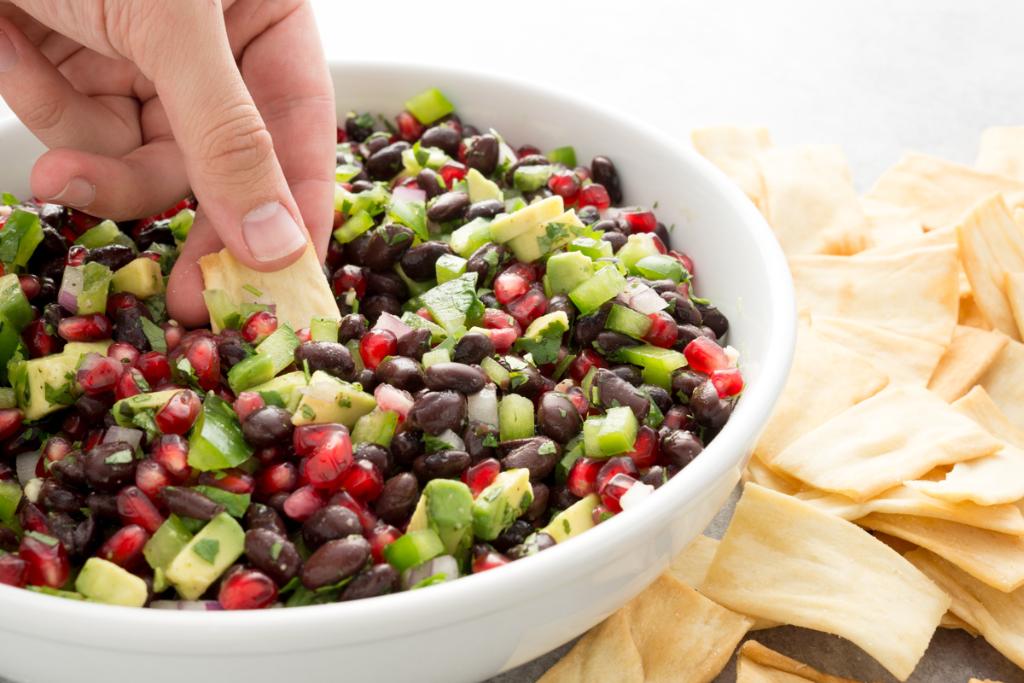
(232, 481)
(277, 478)
(125, 547)
(33, 519)
(13, 571)
(393, 399)
(98, 374)
(327, 464)
(84, 328)
(684, 259)
(259, 326)
(380, 537)
(125, 353)
(363, 481)
(499, 320)
(119, 300)
(152, 478)
(130, 383)
(658, 244)
(579, 399)
(55, 449)
(247, 403)
(375, 346)
(92, 439)
(614, 489)
(424, 313)
(582, 479)
(247, 589)
(205, 361)
(10, 422)
(583, 173)
(705, 356)
(509, 286)
(663, 331)
(526, 151)
(367, 519)
(503, 339)
(481, 475)
(154, 367)
(594, 195)
(306, 438)
(46, 560)
(645, 448)
(76, 255)
(302, 503)
(676, 418)
(452, 172)
(491, 559)
(613, 467)
(640, 220)
(566, 185)
(728, 382)
(582, 364)
(171, 451)
(179, 413)
(349, 277)
(30, 285)
(409, 129)
(135, 507)
(528, 307)
(37, 340)
(342, 135)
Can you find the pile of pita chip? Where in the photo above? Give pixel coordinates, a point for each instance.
(885, 497)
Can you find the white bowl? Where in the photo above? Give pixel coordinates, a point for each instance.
(477, 626)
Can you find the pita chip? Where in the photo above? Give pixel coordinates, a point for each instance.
(759, 664)
(1004, 382)
(691, 565)
(1013, 287)
(803, 405)
(810, 202)
(888, 224)
(906, 360)
(762, 475)
(896, 435)
(992, 245)
(1002, 151)
(966, 359)
(997, 616)
(970, 315)
(979, 406)
(992, 480)
(913, 292)
(300, 291)
(784, 560)
(606, 654)
(682, 635)
(940, 191)
(953, 622)
(733, 149)
(994, 558)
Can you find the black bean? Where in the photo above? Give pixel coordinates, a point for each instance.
(85, 536)
(379, 579)
(47, 290)
(386, 162)
(52, 215)
(482, 153)
(472, 348)
(328, 524)
(558, 418)
(441, 465)
(272, 554)
(112, 256)
(358, 127)
(614, 391)
(401, 372)
(515, 534)
(485, 262)
(109, 466)
(362, 185)
(69, 470)
(541, 541)
(428, 182)
(103, 506)
(488, 299)
(57, 498)
(480, 438)
(686, 334)
(661, 232)
(448, 207)
(681, 308)
(260, 516)
(539, 506)
(387, 283)
(714, 318)
(685, 381)
(9, 540)
(331, 357)
(603, 172)
(589, 326)
(414, 344)
(443, 137)
(406, 446)
(418, 263)
(352, 326)
(268, 426)
(655, 476)
(465, 379)
(334, 561)
(374, 306)
(630, 373)
(708, 409)
(386, 245)
(128, 328)
(398, 499)
(186, 502)
(62, 527)
(539, 455)
(485, 208)
(561, 497)
(437, 411)
(609, 341)
(616, 239)
(367, 379)
(560, 302)
(378, 455)
(660, 396)
(159, 232)
(231, 351)
(680, 447)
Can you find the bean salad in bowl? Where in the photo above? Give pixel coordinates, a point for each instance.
(516, 356)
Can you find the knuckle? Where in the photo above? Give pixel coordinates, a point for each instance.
(43, 115)
(239, 147)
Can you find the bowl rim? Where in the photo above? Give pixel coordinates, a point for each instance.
(478, 594)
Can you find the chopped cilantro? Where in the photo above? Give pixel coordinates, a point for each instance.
(154, 334)
(58, 395)
(121, 457)
(307, 412)
(207, 549)
(275, 550)
(566, 527)
(42, 538)
(252, 290)
(547, 448)
(490, 441)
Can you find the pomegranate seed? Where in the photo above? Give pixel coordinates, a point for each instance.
(37, 340)
(676, 418)
(124, 548)
(55, 449)
(247, 403)
(33, 519)
(232, 481)
(612, 467)
(247, 589)
(135, 507)
(582, 364)
(329, 461)
(583, 173)
(125, 353)
(452, 172)
(645, 448)
(499, 320)
(179, 413)
(663, 331)
(363, 481)
(307, 438)
(566, 185)
(171, 451)
(614, 489)
(366, 518)
(98, 374)
(81, 221)
(594, 195)
(13, 571)
(409, 129)
(277, 478)
(658, 244)
(46, 560)
(489, 559)
(259, 326)
(152, 478)
(576, 395)
(503, 339)
(30, 286)
(705, 356)
(129, 384)
(303, 334)
(640, 220)
(10, 422)
(509, 286)
(302, 503)
(84, 328)
(349, 277)
(684, 259)
(120, 300)
(205, 361)
(154, 367)
(481, 475)
(380, 537)
(6, 473)
(76, 255)
(582, 479)
(342, 136)
(728, 382)
(529, 307)
(601, 513)
(527, 150)
(335, 251)
(375, 346)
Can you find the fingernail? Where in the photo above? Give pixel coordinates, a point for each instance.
(8, 55)
(271, 233)
(78, 192)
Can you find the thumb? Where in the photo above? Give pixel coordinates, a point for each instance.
(229, 154)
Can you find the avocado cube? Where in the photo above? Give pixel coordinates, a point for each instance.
(591, 433)
(104, 581)
(206, 556)
(43, 385)
(480, 188)
(507, 226)
(445, 506)
(573, 520)
(637, 246)
(141, 277)
(329, 399)
(567, 270)
(283, 391)
(501, 503)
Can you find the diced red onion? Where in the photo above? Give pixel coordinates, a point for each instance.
(392, 324)
(483, 406)
(126, 434)
(642, 298)
(445, 564)
(409, 194)
(452, 439)
(70, 287)
(392, 398)
(25, 466)
(187, 605)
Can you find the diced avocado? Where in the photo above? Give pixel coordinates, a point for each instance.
(104, 581)
(329, 399)
(501, 503)
(206, 556)
(591, 437)
(449, 267)
(530, 178)
(217, 442)
(10, 341)
(657, 363)
(563, 155)
(43, 385)
(283, 391)
(573, 520)
(637, 246)
(413, 548)
(373, 201)
(627, 321)
(660, 267)
(323, 329)
(181, 225)
(543, 338)
(618, 431)
(103, 234)
(480, 188)
(515, 417)
(429, 106)
(546, 237)
(507, 226)
(447, 508)
(378, 426)
(471, 236)
(355, 226)
(566, 271)
(141, 277)
(166, 543)
(125, 409)
(21, 234)
(10, 496)
(603, 286)
(14, 307)
(95, 285)
(591, 246)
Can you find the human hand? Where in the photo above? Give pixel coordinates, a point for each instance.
(138, 100)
